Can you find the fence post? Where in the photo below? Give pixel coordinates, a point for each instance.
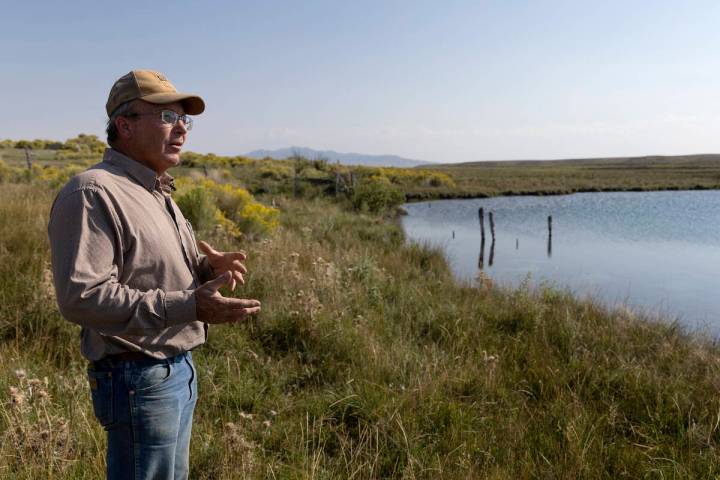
(28, 158)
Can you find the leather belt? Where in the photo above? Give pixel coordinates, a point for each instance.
(128, 357)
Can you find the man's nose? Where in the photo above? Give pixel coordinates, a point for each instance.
(180, 126)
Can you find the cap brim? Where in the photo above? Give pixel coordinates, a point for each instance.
(192, 104)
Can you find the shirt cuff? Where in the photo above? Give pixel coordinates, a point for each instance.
(180, 307)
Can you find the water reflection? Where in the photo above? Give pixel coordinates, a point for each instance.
(492, 252)
(481, 260)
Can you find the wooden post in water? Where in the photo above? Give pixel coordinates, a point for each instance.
(481, 214)
(492, 226)
(481, 261)
(517, 244)
(549, 251)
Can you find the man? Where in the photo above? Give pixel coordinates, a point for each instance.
(126, 268)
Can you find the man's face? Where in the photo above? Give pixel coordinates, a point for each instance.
(154, 143)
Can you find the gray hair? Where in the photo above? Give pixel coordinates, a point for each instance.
(122, 110)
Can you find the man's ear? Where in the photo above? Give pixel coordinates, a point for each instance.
(124, 127)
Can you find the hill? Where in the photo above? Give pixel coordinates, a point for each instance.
(343, 158)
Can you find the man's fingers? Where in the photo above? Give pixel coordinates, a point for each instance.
(237, 265)
(238, 277)
(230, 303)
(231, 316)
(239, 315)
(237, 256)
(214, 285)
(250, 311)
(206, 248)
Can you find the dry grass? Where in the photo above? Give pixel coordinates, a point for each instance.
(368, 361)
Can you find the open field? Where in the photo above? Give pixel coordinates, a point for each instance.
(465, 180)
(369, 361)
(582, 175)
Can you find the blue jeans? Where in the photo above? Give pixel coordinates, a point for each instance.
(146, 407)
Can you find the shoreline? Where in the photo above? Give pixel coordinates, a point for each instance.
(428, 196)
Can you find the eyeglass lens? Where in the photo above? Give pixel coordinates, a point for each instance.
(168, 116)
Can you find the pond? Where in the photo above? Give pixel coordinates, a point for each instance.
(656, 252)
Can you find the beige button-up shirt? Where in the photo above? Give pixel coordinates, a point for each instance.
(125, 262)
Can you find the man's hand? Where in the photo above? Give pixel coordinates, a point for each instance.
(212, 307)
(222, 262)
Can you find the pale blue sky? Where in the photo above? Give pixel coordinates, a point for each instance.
(441, 81)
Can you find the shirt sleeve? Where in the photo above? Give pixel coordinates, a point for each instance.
(86, 255)
(203, 269)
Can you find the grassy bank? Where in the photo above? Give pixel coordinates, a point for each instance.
(369, 361)
(480, 179)
(468, 180)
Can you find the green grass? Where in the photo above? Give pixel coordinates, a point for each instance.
(481, 179)
(370, 361)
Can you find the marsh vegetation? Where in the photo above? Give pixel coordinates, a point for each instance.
(368, 360)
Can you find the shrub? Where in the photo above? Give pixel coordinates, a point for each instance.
(229, 199)
(55, 176)
(376, 195)
(198, 206)
(258, 218)
(5, 172)
(275, 172)
(208, 204)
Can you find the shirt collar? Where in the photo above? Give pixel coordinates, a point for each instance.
(145, 176)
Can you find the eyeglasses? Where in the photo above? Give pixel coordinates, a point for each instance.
(168, 116)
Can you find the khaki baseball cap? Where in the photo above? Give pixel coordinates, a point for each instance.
(152, 87)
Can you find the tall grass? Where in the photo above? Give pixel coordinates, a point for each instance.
(369, 361)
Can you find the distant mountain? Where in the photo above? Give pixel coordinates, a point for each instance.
(344, 158)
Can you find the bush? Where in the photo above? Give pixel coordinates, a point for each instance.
(258, 219)
(85, 144)
(198, 206)
(208, 204)
(56, 176)
(376, 195)
(5, 172)
(275, 172)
